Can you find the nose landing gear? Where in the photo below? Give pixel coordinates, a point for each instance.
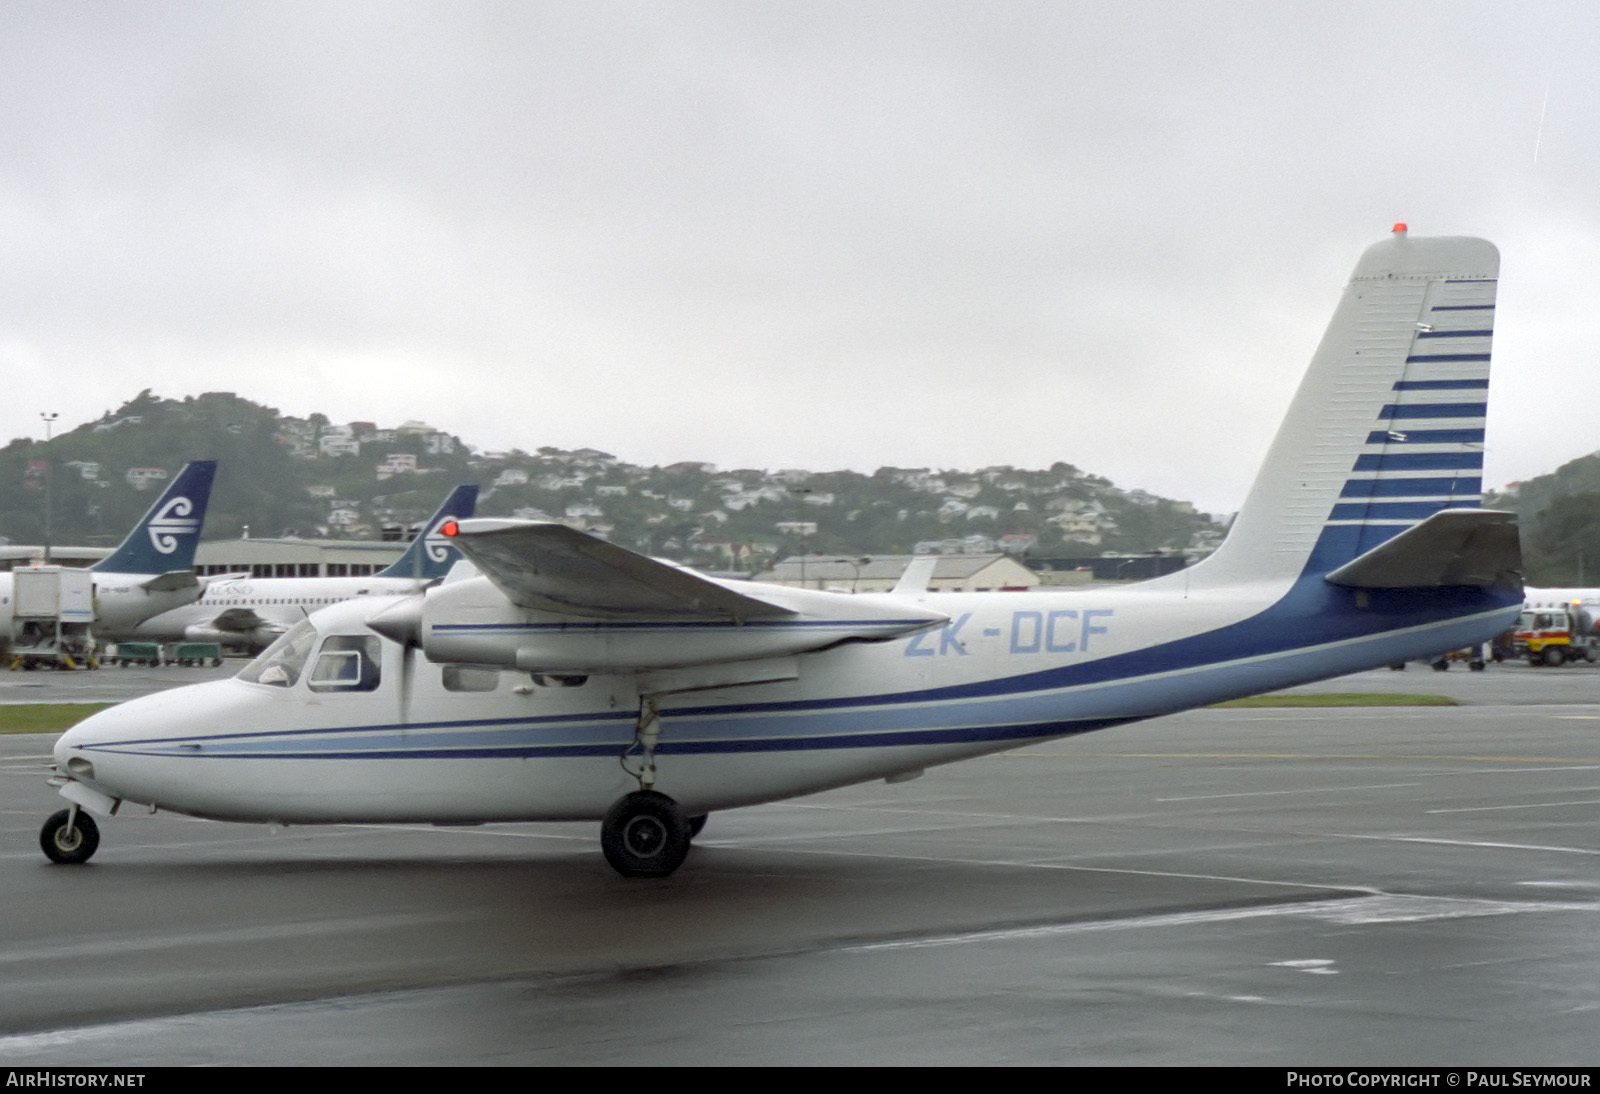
(69, 836)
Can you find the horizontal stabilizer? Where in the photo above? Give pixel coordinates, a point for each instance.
(171, 581)
(1453, 547)
(550, 567)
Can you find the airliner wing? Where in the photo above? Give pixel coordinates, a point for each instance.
(1452, 547)
(550, 567)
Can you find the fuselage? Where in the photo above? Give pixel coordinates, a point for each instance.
(415, 741)
(253, 611)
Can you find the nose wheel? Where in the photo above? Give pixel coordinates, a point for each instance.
(645, 834)
(70, 836)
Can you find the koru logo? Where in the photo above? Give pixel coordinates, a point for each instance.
(170, 522)
(437, 546)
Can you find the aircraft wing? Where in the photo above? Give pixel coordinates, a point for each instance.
(1452, 547)
(550, 567)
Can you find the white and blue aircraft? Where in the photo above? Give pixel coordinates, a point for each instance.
(252, 612)
(152, 570)
(559, 677)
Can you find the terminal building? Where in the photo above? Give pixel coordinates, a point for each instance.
(295, 557)
(290, 557)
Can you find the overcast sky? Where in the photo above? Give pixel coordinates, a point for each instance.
(787, 234)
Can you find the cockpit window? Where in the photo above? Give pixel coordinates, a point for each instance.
(280, 663)
(347, 662)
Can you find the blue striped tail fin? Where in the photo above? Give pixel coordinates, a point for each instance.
(1388, 425)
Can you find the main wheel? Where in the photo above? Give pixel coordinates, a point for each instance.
(645, 834)
(68, 845)
(1441, 665)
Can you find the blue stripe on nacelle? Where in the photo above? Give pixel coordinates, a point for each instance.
(1454, 333)
(1462, 307)
(1415, 357)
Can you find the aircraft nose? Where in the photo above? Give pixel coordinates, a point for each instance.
(70, 743)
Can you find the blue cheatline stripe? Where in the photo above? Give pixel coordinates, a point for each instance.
(1396, 411)
(1426, 436)
(384, 749)
(1447, 357)
(1469, 281)
(1462, 307)
(687, 624)
(1394, 510)
(1440, 385)
(1464, 486)
(1420, 461)
(1455, 333)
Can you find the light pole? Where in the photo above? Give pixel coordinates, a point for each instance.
(49, 474)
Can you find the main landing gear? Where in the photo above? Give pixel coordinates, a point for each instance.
(69, 836)
(646, 835)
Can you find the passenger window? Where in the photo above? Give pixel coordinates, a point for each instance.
(470, 678)
(347, 662)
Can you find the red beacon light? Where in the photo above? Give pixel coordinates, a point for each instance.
(1399, 227)
(449, 528)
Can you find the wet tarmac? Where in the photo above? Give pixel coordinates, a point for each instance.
(1259, 886)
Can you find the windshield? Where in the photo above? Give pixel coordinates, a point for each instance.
(280, 663)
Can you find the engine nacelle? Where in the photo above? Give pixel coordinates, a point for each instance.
(473, 622)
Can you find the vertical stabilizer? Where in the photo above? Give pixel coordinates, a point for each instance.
(431, 555)
(165, 539)
(1387, 427)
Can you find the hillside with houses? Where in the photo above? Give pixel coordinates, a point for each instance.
(312, 477)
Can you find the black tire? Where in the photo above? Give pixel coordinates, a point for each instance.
(697, 824)
(1552, 656)
(645, 834)
(1398, 666)
(1475, 666)
(69, 846)
(1441, 666)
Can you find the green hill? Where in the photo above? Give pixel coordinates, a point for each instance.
(1560, 518)
(282, 475)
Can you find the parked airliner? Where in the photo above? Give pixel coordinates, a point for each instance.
(252, 612)
(152, 570)
(560, 677)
